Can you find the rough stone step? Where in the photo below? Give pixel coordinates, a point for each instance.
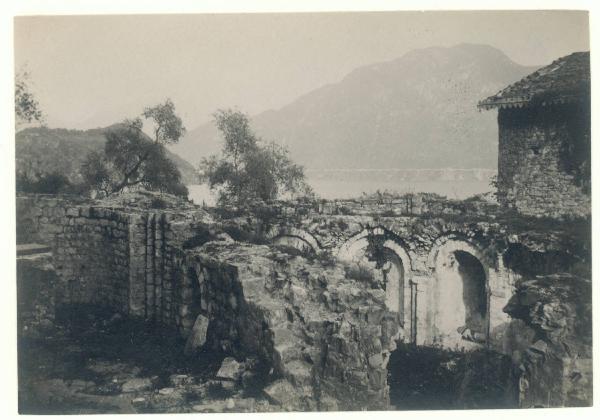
(289, 352)
(254, 287)
(284, 335)
(30, 249)
(276, 316)
(298, 372)
(287, 344)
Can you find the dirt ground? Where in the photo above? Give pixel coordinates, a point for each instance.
(92, 361)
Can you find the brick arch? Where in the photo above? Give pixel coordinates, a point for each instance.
(278, 233)
(355, 245)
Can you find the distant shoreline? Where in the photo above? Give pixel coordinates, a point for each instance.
(401, 175)
(400, 170)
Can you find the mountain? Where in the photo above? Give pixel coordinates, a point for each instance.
(418, 111)
(63, 150)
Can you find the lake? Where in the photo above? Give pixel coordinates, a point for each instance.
(336, 185)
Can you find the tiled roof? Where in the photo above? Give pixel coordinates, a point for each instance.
(567, 79)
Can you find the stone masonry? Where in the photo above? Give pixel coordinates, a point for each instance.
(326, 334)
(541, 170)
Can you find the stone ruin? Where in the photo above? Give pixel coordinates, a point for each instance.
(326, 318)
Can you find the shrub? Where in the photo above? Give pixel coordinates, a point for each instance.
(46, 183)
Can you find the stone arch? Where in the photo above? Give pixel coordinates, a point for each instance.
(295, 238)
(461, 298)
(357, 243)
(455, 242)
(398, 266)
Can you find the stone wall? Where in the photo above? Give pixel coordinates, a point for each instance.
(425, 246)
(39, 216)
(91, 256)
(36, 294)
(114, 256)
(544, 160)
(556, 367)
(327, 334)
(327, 337)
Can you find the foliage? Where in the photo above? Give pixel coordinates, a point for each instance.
(494, 186)
(96, 174)
(343, 210)
(27, 108)
(39, 149)
(168, 127)
(45, 183)
(131, 160)
(375, 250)
(359, 272)
(248, 171)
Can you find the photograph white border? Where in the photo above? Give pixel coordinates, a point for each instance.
(12, 8)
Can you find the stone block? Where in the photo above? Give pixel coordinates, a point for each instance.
(230, 369)
(283, 393)
(137, 385)
(72, 211)
(180, 380)
(197, 337)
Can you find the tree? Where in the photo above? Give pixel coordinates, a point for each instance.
(248, 170)
(96, 174)
(131, 160)
(168, 127)
(45, 183)
(27, 108)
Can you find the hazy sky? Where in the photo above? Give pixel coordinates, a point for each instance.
(92, 71)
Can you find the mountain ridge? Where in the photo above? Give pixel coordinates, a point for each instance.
(415, 111)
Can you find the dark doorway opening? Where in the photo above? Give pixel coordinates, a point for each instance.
(475, 296)
(430, 378)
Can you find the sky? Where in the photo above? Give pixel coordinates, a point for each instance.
(93, 71)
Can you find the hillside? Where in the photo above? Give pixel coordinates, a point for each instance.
(418, 111)
(63, 150)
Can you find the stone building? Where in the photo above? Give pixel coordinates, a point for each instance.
(544, 153)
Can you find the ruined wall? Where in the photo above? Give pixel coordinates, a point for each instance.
(426, 247)
(36, 294)
(327, 333)
(158, 288)
(327, 337)
(118, 257)
(544, 160)
(89, 247)
(91, 256)
(39, 216)
(556, 368)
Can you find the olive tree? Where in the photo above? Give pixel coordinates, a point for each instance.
(168, 127)
(131, 160)
(247, 169)
(27, 108)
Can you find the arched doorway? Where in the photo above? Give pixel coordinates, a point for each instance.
(392, 278)
(460, 310)
(475, 297)
(388, 272)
